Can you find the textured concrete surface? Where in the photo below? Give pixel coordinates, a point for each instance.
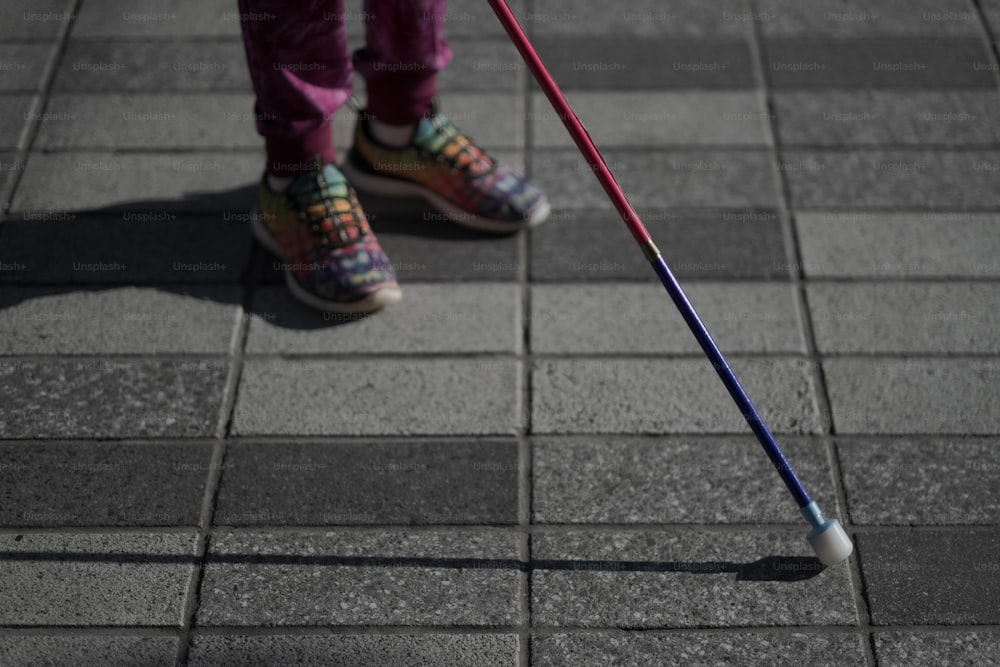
(937, 648)
(118, 650)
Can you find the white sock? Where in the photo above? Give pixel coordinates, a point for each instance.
(396, 136)
(279, 183)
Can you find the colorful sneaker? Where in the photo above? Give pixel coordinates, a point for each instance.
(332, 260)
(452, 173)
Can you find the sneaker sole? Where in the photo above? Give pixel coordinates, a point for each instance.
(395, 187)
(372, 302)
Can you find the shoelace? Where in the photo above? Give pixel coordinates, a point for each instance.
(329, 216)
(458, 152)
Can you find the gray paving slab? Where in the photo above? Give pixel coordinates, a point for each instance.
(11, 166)
(605, 62)
(16, 115)
(671, 480)
(613, 318)
(668, 396)
(118, 650)
(991, 11)
(708, 178)
(102, 484)
(470, 18)
(113, 19)
(418, 482)
(109, 398)
(361, 578)
(34, 19)
(158, 247)
(866, 117)
(692, 579)
(95, 579)
(459, 318)
(697, 648)
(919, 179)
(22, 66)
(594, 244)
(921, 482)
(367, 650)
(655, 119)
(877, 62)
(487, 65)
(940, 577)
(138, 181)
(640, 18)
(952, 317)
(915, 244)
(124, 320)
(158, 66)
(910, 396)
(896, 649)
(379, 397)
(852, 18)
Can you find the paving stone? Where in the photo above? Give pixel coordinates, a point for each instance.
(119, 650)
(361, 578)
(34, 19)
(149, 122)
(16, 115)
(617, 118)
(685, 579)
(155, 18)
(454, 318)
(847, 117)
(678, 178)
(673, 480)
(640, 18)
(111, 181)
(11, 165)
(106, 398)
(697, 648)
(471, 18)
(102, 484)
(488, 65)
(913, 395)
(158, 247)
(877, 62)
(640, 318)
(916, 649)
(669, 396)
(154, 67)
(921, 482)
(915, 244)
(605, 62)
(991, 11)
(941, 577)
(853, 18)
(124, 320)
(22, 66)
(953, 317)
(367, 650)
(369, 483)
(95, 579)
(379, 397)
(911, 179)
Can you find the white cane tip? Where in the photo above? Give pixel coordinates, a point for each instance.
(831, 544)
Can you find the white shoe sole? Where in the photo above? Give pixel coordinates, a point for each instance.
(374, 301)
(394, 187)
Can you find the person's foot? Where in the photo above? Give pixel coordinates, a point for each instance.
(444, 167)
(332, 259)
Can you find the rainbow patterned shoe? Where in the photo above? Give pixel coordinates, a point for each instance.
(332, 260)
(452, 173)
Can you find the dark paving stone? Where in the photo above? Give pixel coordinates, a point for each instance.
(369, 483)
(471, 18)
(155, 18)
(15, 115)
(920, 649)
(10, 166)
(132, 246)
(921, 482)
(604, 62)
(697, 649)
(95, 579)
(707, 178)
(925, 577)
(882, 62)
(846, 117)
(485, 65)
(112, 650)
(361, 579)
(34, 19)
(367, 650)
(154, 66)
(109, 398)
(102, 484)
(639, 18)
(685, 579)
(22, 66)
(671, 480)
(916, 179)
(853, 18)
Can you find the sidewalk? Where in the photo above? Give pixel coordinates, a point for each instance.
(527, 461)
